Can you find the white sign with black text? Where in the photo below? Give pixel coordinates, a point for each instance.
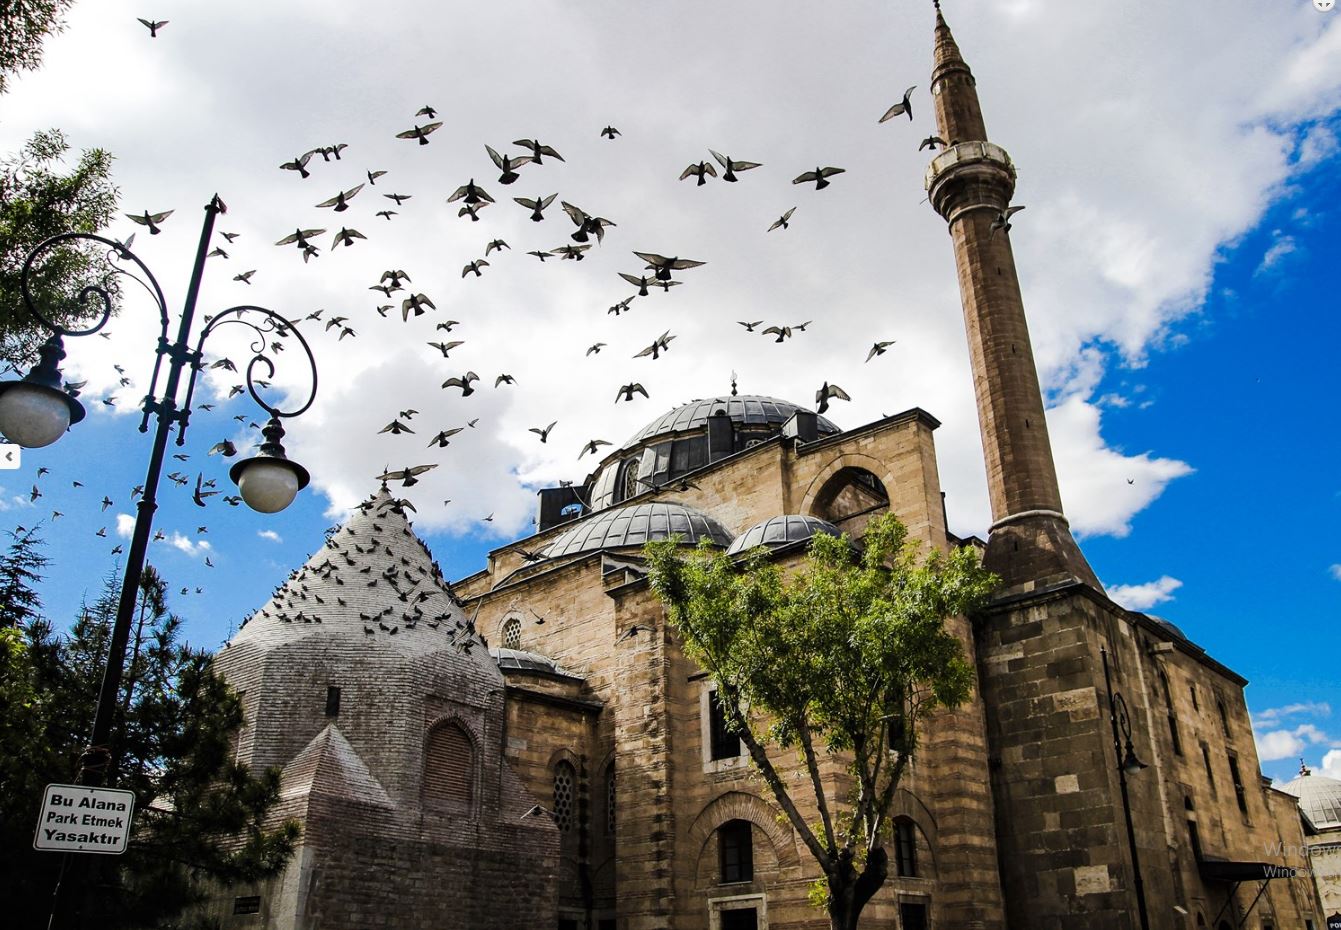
(88, 820)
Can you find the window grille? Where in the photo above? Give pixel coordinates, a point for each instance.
(565, 781)
(512, 634)
(449, 766)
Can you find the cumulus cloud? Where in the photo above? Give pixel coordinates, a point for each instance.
(1331, 764)
(1283, 744)
(187, 545)
(270, 535)
(1335, 571)
(125, 525)
(1274, 715)
(1145, 596)
(1282, 246)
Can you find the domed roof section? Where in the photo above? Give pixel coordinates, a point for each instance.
(520, 660)
(1319, 798)
(372, 580)
(1169, 626)
(635, 525)
(778, 531)
(746, 409)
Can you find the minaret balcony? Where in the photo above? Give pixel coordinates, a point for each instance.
(983, 161)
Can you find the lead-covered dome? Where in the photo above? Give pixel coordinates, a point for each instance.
(635, 525)
(1319, 798)
(745, 410)
(778, 531)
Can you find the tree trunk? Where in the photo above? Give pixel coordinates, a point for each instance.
(849, 892)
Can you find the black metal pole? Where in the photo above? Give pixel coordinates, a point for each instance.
(1137, 884)
(96, 763)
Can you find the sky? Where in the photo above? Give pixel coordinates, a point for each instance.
(1178, 165)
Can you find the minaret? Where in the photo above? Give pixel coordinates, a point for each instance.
(970, 183)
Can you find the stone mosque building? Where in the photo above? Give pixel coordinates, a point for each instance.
(529, 748)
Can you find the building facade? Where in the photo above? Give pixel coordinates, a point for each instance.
(529, 747)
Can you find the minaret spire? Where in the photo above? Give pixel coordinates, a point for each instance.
(970, 184)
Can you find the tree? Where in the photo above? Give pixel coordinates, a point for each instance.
(848, 656)
(23, 26)
(20, 570)
(39, 198)
(200, 816)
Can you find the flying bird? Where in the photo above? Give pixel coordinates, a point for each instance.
(595, 349)
(299, 164)
(586, 224)
(374, 175)
(731, 166)
(820, 176)
(346, 237)
(903, 106)
(387, 214)
(749, 327)
(1002, 221)
(417, 303)
(506, 165)
(504, 379)
(782, 332)
(536, 206)
(471, 193)
(702, 170)
(472, 210)
(224, 448)
(341, 200)
(474, 266)
(442, 439)
(541, 255)
(931, 142)
(783, 220)
(498, 244)
(640, 282)
(879, 349)
(153, 26)
(200, 494)
(664, 266)
(245, 277)
(445, 347)
(537, 150)
(610, 132)
(463, 383)
(150, 219)
(627, 391)
(398, 198)
(395, 428)
(299, 237)
(427, 111)
(826, 392)
(591, 446)
(623, 305)
(659, 345)
(217, 252)
(419, 132)
(570, 251)
(406, 476)
(543, 433)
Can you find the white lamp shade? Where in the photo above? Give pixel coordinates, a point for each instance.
(33, 416)
(268, 485)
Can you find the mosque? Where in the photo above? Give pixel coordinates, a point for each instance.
(528, 747)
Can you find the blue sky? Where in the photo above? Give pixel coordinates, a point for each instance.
(1176, 259)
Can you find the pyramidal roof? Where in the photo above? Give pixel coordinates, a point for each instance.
(374, 579)
(329, 765)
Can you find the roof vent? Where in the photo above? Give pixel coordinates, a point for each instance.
(803, 426)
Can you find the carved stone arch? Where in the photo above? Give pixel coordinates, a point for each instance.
(737, 805)
(908, 806)
(838, 494)
(511, 619)
(438, 787)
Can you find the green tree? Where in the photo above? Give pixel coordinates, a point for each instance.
(40, 196)
(24, 24)
(844, 658)
(20, 569)
(200, 817)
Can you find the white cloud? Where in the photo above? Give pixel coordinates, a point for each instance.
(192, 547)
(125, 525)
(1331, 764)
(1274, 715)
(1335, 571)
(1145, 596)
(1319, 144)
(270, 535)
(1283, 246)
(1282, 744)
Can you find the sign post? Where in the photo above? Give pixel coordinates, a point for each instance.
(76, 819)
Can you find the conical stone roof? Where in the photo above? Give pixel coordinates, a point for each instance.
(372, 579)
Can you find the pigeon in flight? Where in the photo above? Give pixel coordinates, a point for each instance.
(610, 132)
(406, 476)
(749, 327)
(664, 266)
(931, 142)
(570, 251)
(224, 448)
(300, 237)
(537, 150)
(299, 164)
(506, 165)
(463, 383)
(498, 244)
(623, 305)
(783, 332)
(702, 171)
(153, 26)
(820, 176)
(150, 219)
(398, 198)
(595, 349)
(472, 210)
(374, 175)
(586, 223)
(445, 347)
(346, 237)
(386, 214)
(395, 428)
(419, 132)
(638, 281)
(826, 392)
(536, 206)
(504, 379)
(543, 433)
(200, 494)
(879, 349)
(245, 277)
(627, 391)
(474, 266)
(442, 440)
(1002, 221)
(659, 345)
(903, 106)
(427, 111)
(783, 220)
(472, 194)
(591, 446)
(341, 200)
(216, 251)
(731, 166)
(417, 303)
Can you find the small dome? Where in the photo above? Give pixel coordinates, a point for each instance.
(778, 531)
(635, 525)
(520, 660)
(1170, 627)
(744, 409)
(1319, 799)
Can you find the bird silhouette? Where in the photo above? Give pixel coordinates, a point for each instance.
(879, 349)
(664, 266)
(504, 379)
(536, 206)
(731, 166)
(592, 445)
(427, 111)
(398, 198)
(783, 220)
(419, 132)
(587, 225)
(300, 238)
(595, 348)
(498, 244)
(623, 305)
(749, 327)
(826, 392)
(406, 476)
(659, 345)
(387, 214)
(1002, 221)
(543, 433)
(216, 252)
(931, 142)
(150, 219)
(463, 383)
(153, 26)
(442, 440)
(702, 170)
(416, 303)
(569, 251)
(471, 193)
(341, 200)
(474, 266)
(299, 164)
(346, 237)
(903, 106)
(820, 176)
(627, 391)
(395, 428)
(610, 132)
(782, 332)
(506, 165)
(538, 150)
(472, 210)
(445, 347)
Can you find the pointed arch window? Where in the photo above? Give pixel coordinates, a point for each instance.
(1173, 719)
(449, 766)
(512, 634)
(905, 848)
(565, 788)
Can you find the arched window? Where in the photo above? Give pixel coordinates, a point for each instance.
(850, 494)
(1173, 719)
(565, 789)
(1224, 716)
(512, 634)
(735, 851)
(905, 848)
(449, 766)
(610, 800)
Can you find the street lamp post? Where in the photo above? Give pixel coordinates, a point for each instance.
(35, 412)
(1127, 764)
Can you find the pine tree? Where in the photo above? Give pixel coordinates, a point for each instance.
(20, 569)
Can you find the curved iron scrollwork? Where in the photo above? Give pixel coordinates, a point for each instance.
(99, 294)
(267, 331)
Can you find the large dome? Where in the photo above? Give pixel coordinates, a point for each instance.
(744, 409)
(1319, 799)
(635, 525)
(778, 531)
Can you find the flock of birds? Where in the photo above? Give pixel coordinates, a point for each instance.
(373, 200)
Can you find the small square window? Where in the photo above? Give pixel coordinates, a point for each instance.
(332, 701)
